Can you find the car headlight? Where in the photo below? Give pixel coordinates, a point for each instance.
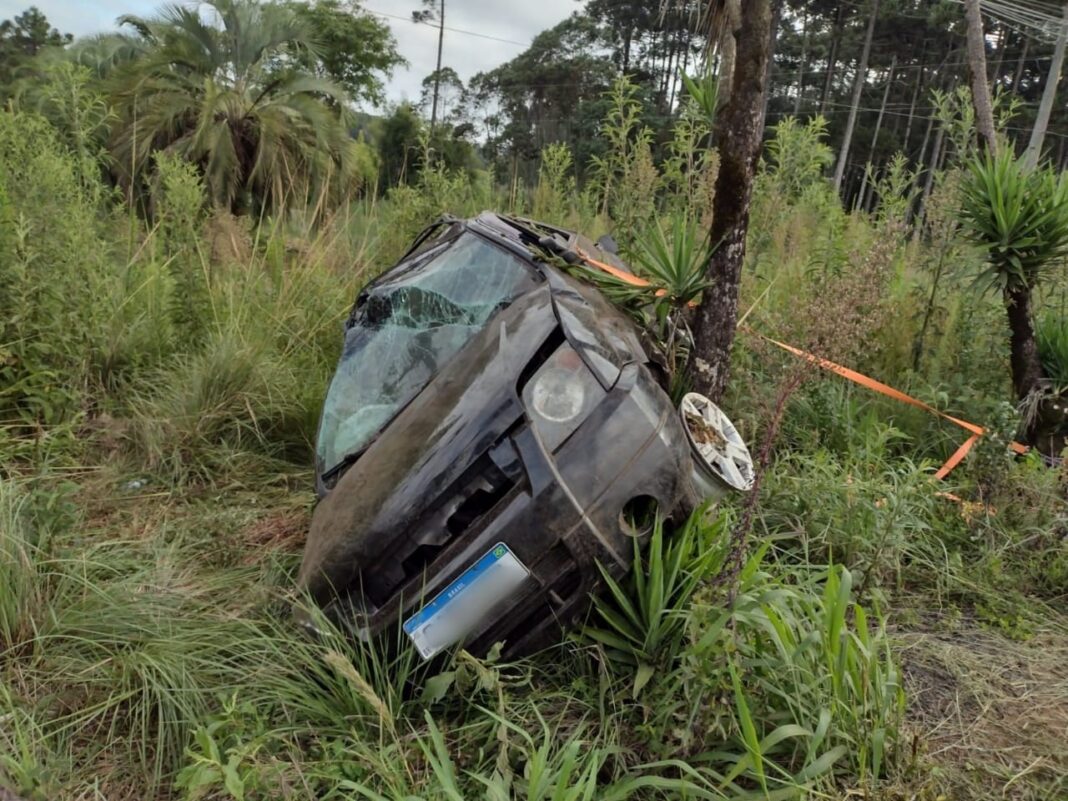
(560, 395)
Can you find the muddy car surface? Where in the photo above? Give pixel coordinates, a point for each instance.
(491, 423)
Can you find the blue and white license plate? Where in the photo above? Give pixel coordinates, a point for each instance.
(459, 608)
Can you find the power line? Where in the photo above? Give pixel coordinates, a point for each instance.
(1037, 17)
(450, 29)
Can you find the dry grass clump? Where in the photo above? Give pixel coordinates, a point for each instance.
(280, 530)
(991, 712)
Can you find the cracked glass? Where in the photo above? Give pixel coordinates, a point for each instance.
(406, 330)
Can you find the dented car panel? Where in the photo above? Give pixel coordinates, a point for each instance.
(536, 427)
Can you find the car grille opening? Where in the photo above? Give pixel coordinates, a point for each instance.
(475, 505)
(460, 508)
(422, 556)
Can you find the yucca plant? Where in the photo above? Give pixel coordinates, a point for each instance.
(642, 621)
(215, 95)
(672, 259)
(1020, 218)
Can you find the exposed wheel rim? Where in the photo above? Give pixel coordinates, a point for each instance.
(725, 454)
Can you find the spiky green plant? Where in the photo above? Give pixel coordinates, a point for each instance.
(673, 262)
(797, 155)
(641, 621)
(1020, 218)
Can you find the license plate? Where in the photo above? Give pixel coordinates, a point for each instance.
(461, 606)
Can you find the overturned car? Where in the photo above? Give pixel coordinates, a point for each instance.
(492, 426)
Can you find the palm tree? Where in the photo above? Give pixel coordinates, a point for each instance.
(223, 90)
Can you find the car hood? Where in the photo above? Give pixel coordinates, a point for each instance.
(421, 460)
(409, 468)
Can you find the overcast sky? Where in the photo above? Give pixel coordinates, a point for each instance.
(516, 23)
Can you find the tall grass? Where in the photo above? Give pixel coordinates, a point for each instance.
(146, 648)
(22, 557)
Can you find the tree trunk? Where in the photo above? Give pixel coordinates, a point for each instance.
(936, 153)
(729, 51)
(739, 136)
(984, 107)
(769, 63)
(1000, 45)
(1049, 94)
(832, 59)
(921, 74)
(437, 72)
(1020, 65)
(858, 89)
(878, 129)
(685, 66)
(1027, 372)
(802, 66)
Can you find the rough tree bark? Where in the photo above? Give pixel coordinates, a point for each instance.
(854, 106)
(984, 107)
(739, 135)
(1027, 372)
(728, 50)
(832, 58)
(1049, 94)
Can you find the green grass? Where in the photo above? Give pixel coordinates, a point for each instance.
(878, 642)
(158, 661)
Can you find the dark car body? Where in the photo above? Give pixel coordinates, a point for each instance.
(459, 452)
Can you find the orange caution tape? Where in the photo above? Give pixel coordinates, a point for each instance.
(977, 432)
(622, 275)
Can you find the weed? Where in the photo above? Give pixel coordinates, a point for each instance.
(556, 192)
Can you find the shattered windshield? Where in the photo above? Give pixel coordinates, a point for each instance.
(405, 330)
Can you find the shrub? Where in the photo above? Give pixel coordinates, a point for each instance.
(555, 194)
(1051, 335)
(52, 267)
(853, 501)
(797, 155)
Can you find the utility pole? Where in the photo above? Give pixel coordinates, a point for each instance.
(425, 15)
(1049, 94)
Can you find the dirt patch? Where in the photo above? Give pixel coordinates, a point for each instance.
(990, 711)
(283, 530)
(702, 432)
